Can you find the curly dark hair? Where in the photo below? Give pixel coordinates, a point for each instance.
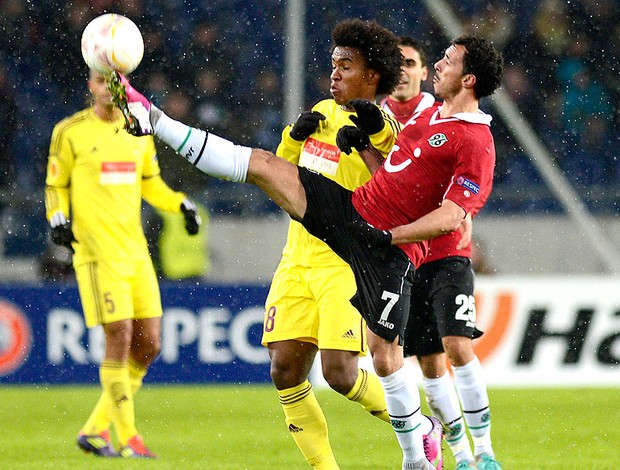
(482, 60)
(379, 46)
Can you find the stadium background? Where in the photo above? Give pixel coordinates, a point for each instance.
(222, 65)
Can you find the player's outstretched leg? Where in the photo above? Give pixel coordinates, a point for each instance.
(209, 153)
(432, 443)
(134, 106)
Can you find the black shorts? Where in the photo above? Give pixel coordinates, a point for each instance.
(442, 304)
(383, 275)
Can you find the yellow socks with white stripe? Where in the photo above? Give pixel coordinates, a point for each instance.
(367, 391)
(444, 403)
(209, 153)
(403, 404)
(114, 378)
(471, 387)
(307, 425)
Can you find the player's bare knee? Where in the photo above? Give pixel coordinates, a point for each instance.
(260, 167)
(145, 352)
(285, 375)
(118, 334)
(384, 366)
(339, 379)
(459, 349)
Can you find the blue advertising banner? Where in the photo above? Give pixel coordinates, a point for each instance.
(209, 334)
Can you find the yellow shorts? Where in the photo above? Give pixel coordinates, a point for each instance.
(113, 291)
(312, 304)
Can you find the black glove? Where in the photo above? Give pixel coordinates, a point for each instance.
(63, 235)
(365, 232)
(351, 137)
(192, 218)
(369, 117)
(306, 124)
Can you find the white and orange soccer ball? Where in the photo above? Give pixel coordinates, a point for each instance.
(112, 42)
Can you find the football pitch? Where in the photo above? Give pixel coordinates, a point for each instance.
(242, 427)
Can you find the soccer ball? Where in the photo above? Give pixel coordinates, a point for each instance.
(112, 42)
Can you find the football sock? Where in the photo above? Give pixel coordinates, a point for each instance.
(100, 417)
(209, 153)
(403, 404)
(444, 403)
(114, 378)
(367, 391)
(472, 391)
(307, 425)
(136, 374)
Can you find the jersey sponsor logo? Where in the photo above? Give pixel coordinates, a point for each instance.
(437, 140)
(15, 338)
(320, 156)
(118, 173)
(389, 167)
(470, 185)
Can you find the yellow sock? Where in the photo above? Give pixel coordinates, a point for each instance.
(136, 374)
(368, 392)
(114, 378)
(307, 425)
(100, 418)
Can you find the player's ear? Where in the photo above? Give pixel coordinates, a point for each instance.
(372, 77)
(469, 80)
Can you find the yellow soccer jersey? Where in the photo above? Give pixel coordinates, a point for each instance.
(97, 174)
(320, 153)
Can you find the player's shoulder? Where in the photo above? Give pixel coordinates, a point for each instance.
(72, 121)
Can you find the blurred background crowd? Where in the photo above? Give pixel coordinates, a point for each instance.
(219, 64)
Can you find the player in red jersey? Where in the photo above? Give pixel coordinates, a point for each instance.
(408, 99)
(442, 317)
(443, 311)
(381, 228)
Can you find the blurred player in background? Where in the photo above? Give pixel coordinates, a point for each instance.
(308, 307)
(97, 174)
(408, 99)
(443, 314)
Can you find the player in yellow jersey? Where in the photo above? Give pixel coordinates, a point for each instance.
(97, 175)
(308, 308)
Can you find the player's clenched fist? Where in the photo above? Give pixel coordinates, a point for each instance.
(192, 218)
(352, 137)
(306, 124)
(369, 117)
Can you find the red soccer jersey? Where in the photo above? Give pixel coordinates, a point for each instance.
(405, 111)
(433, 159)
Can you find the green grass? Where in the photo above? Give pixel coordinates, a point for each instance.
(242, 427)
